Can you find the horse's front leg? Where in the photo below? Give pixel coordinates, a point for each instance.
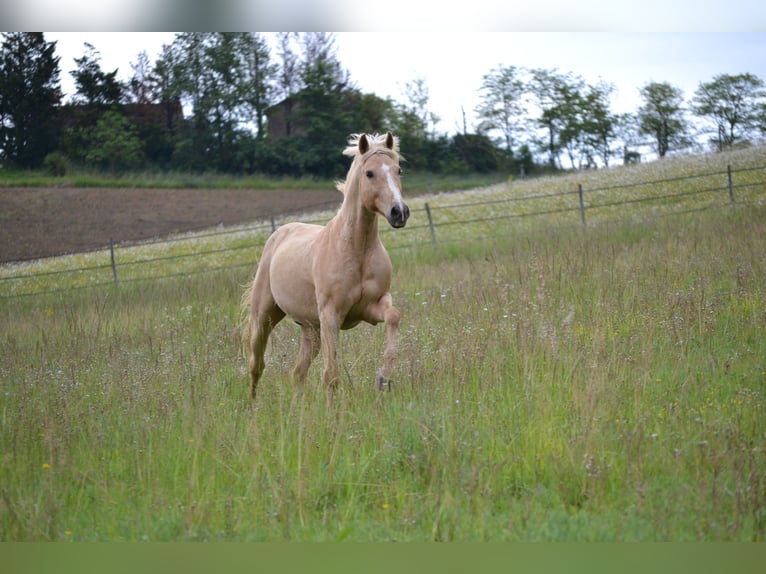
(385, 311)
(329, 331)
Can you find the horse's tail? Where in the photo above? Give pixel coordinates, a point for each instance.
(244, 319)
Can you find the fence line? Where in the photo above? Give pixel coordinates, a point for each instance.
(582, 207)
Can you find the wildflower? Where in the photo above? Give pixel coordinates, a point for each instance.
(384, 506)
(46, 466)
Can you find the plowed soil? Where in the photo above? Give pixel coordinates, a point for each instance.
(42, 222)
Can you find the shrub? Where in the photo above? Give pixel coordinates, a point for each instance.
(56, 163)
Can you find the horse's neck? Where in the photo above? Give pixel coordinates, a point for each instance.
(357, 226)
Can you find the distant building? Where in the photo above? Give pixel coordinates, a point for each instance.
(165, 116)
(283, 119)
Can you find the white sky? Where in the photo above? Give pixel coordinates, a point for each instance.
(453, 63)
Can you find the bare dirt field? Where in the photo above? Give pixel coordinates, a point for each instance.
(41, 222)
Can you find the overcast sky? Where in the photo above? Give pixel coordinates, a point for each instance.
(452, 64)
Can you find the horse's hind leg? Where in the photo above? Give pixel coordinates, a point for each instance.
(264, 315)
(260, 328)
(309, 350)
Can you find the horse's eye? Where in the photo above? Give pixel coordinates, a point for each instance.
(400, 171)
(369, 173)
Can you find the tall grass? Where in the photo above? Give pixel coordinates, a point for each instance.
(554, 384)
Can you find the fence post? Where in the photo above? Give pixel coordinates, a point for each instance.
(273, 225)
(582, 203)
(114, 265)
(431, 225)
(731, 186)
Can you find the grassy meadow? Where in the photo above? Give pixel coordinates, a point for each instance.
(554, 383)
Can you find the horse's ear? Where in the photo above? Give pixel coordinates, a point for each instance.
(390, 140)
(364, 145)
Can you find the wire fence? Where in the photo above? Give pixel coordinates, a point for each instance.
(442, 222)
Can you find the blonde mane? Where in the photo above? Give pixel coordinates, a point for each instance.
(377, 145)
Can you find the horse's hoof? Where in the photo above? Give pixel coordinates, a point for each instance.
(383, 383)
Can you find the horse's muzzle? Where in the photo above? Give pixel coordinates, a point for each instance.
(399, 216)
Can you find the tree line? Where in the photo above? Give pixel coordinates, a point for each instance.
(237, 103)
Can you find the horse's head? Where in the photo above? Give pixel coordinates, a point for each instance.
(379, 183)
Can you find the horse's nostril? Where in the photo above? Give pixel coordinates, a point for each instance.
(406, 212)
(396, 213)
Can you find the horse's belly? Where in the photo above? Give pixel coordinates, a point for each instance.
(292, 285)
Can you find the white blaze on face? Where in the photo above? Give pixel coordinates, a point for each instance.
(393, 187)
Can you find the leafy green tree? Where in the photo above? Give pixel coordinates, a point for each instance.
(29, 95)
(225, 78)
(408, 126)
(662, 117)
(734, 104)
(561, 103)
(369, 113)
(599, 123)
(114, 144)
(476, 152)
(553, 94)
(501, 105)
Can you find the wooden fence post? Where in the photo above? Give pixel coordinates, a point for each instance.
(431, 225)
(582, 203)
(273, 225)
(731, 185)
(114, 265)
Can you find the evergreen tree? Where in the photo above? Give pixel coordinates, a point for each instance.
(321, 106)
(95, 88)
(29, 95)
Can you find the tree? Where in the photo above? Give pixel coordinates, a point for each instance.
(552, 93)
(288, 81)
(259, 79)
(322, 110)
(627, 131)
(599, 123)
(475, 152)
(734, 104)
(143, 86)
(29, 95)
(95, 88)
(501, 108)
(418, 96)
(114, 143)
(167, 83)
(662, 117)
(208, 72)
(570, 112)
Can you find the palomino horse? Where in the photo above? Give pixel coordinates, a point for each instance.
(332, 277)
